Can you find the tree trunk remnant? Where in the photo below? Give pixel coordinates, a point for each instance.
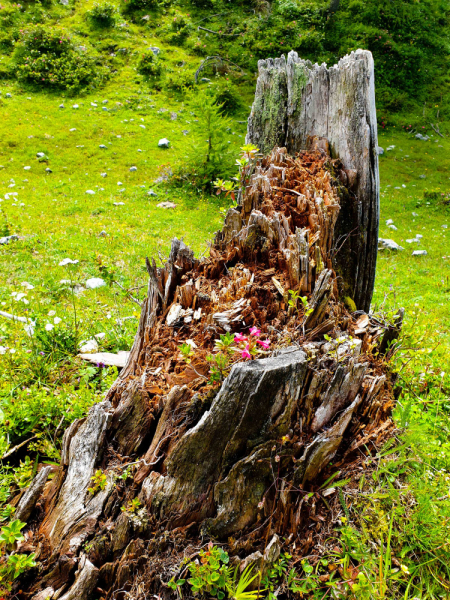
(196, 442)
(295, 101)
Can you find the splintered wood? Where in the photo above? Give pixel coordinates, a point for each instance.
(200, 448)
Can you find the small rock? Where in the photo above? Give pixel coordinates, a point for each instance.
(393, 227)
(64, 2)
(90, 192)
(26, 168)
(94, 105)
(103, 147)
(166, 205)
(119, 183)
(119, 203)
(413, 241)
(422, 176)
(61, 106)
(48, 170)
(389, 222)
(152, 193)
(75, 106)
(133, 169)
(94, 283)
(73, 129)
(8, 95)
(143, 126)
(102, 234)
(104, 101)
(444, 226)
(103, 174)
(397, 188)
(163, 143)
(185, 131)
(88, 346)
(205, 80)
(419, 237)
(8, 238)
(380, 150)
(145, 18)
(403, 185)
(40, 155)
(104, 108)
(389, 244)
(156, 51)
(173, 116)
(419, 253)
(414, 214)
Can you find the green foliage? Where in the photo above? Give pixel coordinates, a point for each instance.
(209, 155)
(99, 482)
(11, 533)
(102, 14)
(134, 5)
(186, 351)
(47, 57)
(149, 65)
(179, 80)
(132, 506)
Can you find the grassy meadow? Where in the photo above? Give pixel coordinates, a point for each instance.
(81, 177)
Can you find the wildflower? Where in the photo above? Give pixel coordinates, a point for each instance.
(240, 338)
(51, 313)
(27, 285)
(277, 458)
(3, 349)
(261, 504)
(56, 320)
(12, 350)
(255, 331)
(405, 569)
(29, 328)
(264, 343)
(246, 352)
(67, 261)
(49, 327)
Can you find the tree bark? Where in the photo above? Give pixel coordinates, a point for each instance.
(295, 101)
(231, 452)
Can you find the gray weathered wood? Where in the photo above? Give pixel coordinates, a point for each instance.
(295, 101)
(31, 496)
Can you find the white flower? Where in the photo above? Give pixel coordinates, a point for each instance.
(56, 320)
(3, 349)
(27, 285)
(12, 350)
(67, 261)
(51, 313)
(19, 296)
(49, 327)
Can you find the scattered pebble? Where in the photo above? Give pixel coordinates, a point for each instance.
(75, 106)
(419, 253)
(103, 147)
(393, 227)
(415, 214)
(103, 174)
(133, 169)
(380, 150)
(94, 283)
(163, 143)
(389, 244)
(412, 241)
(119, 203)
(152, 193)
(8, 238)
(90, 192)
(389, 222)
(422, 176)
(166, 205)
(88, 346)
(26, 168)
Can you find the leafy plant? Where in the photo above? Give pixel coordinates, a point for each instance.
(132, 506)
(150, 65)
(186, 351)
(102, 14)
(11, 533)
(99, 482)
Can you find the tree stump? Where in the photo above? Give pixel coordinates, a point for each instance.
(216, 446)
(295, 101)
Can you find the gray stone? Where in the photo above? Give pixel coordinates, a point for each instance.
(393, 227)
(389, 244)
(104, 108)
(8, 238)
(380, 150)
(205, 80)
(40, 155)
(173, 116)
(103, 147)
(133, 169)
(413, 241)
(94, 283)
(8, 95)
(103, 174)
(48, 170)
(422, 176)
(419, 253)
(152, 193)
(389, 222)
(164, 143)
(61, 106)
(156, 51)
(90, 192)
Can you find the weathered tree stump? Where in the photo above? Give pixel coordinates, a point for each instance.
(232, 458)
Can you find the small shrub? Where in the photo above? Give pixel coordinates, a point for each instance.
(132, 5)
(229, 98)
(102, 15)
(179, 80)
(289, 9)
(149, 65)
(48, 57)
(179, 29)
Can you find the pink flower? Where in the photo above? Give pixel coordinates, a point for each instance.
(255, 331)
(245, 353)
(264, 343)
(239, 338)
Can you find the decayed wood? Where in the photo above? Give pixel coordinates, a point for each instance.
(30, 497)
(205, 459)
(296, 101)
